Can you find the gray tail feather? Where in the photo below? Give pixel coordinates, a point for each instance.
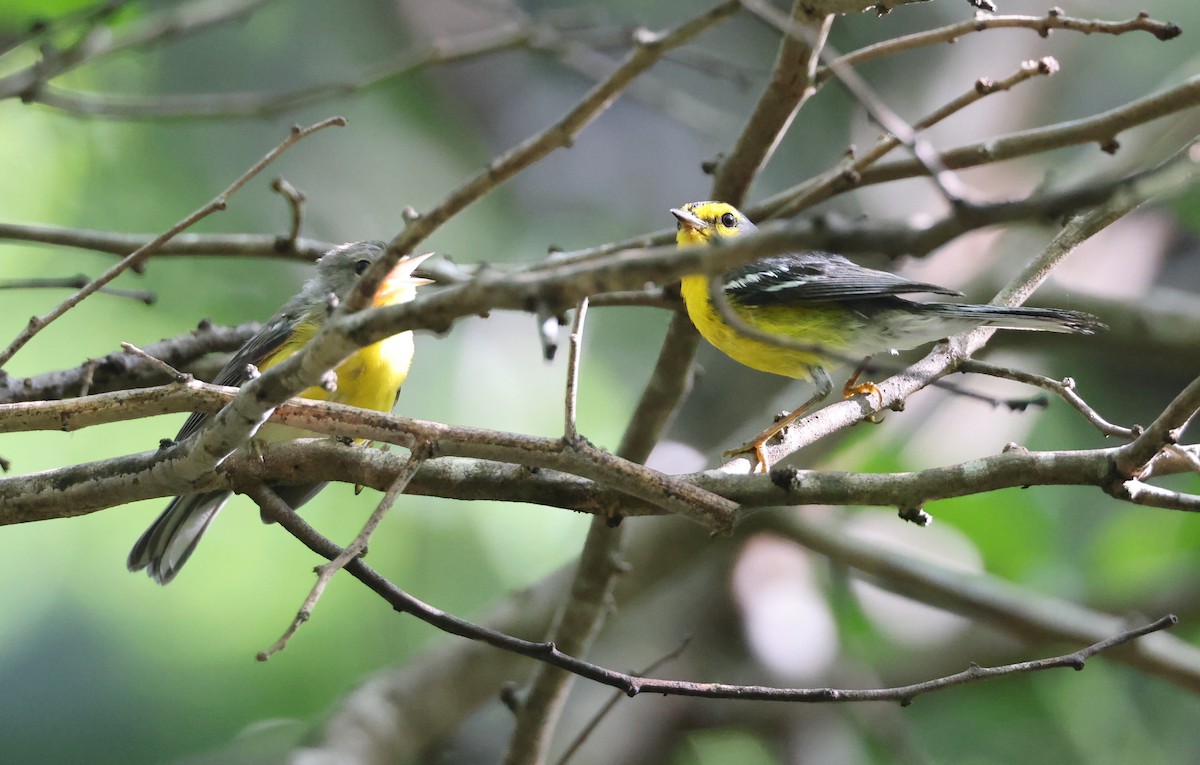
(1022, 317)
(169, 542)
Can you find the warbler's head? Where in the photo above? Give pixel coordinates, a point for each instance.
(339, 269)
(699, 222)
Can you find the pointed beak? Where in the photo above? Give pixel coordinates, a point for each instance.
(400, 284)
(688, 220)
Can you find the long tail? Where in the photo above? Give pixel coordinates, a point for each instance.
(168, 543)
(1021, 317)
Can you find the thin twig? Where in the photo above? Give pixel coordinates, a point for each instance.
(1166, 429)
(1101, 129)
(631, 685)
(157, 363)
(355, 549)
(217, 204)
(946, 181)
(75, 282)
(789, 88)
(196, 245)
(848, 176)
(615, 699)
(295, 199)
(123, 371)
(1040, 24)
(1141, 493)
(649, 47)
(1064, 389)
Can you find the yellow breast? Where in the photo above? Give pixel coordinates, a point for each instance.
(810, 323)
(369, 379)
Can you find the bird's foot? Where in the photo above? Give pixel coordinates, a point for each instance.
(760, 463)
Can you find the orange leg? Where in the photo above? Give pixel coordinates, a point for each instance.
(761, 464)
(757, 444)
(854, 388)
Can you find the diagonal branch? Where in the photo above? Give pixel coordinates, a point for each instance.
(1166, 430)
(551, 654)
(1043, 25)
(122, 370)
(356, 548)
(649, 47)
(218, 203)
(844, 178)
(98, 42)
(790, 86)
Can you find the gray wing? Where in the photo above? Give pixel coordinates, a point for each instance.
(255, 351)
(815, 277)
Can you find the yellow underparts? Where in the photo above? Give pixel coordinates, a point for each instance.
(369, 379)
(813, 323)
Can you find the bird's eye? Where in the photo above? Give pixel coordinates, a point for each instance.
(361, 266)
(729, 220)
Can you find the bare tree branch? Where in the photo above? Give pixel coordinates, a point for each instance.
(850, 175)
(122, 370)
(1065, 389)
(1166, 430)
(649, 48)
(790, 86)
(98, 43)
(946, 182)
(551, 654)
(1043, 25)
(218, 203)
(247, 245)
(75, 282)
(356, 548)
(87, 487)
(1101, 129)
(262, 105)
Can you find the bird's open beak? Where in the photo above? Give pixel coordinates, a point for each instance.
(401, 278)
(688, 219)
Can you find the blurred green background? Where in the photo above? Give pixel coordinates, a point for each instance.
(101, 666)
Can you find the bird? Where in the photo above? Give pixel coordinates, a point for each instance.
(829, 310)
(370, 378)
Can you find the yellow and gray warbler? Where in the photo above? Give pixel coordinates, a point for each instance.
(370, 378)
(836, 310)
